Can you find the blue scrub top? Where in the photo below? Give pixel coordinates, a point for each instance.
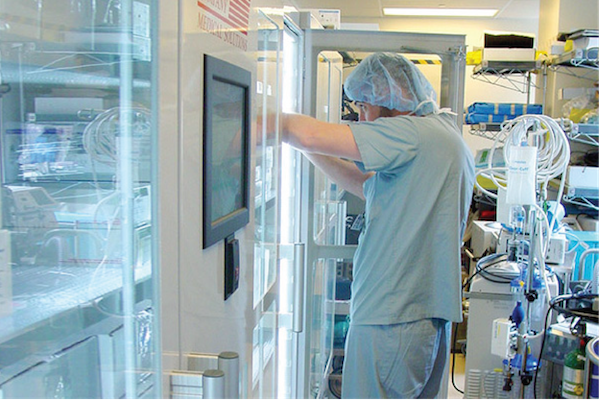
(407, 265)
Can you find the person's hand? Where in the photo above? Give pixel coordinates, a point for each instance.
(266, 127)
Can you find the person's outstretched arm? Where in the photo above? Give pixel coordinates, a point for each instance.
(313, 136)
(345, 173)
(323, 143)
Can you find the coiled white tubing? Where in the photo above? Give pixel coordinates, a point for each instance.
(553, 149)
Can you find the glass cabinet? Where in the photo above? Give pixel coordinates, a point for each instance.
(266, 210)
(78, 303)
(328, 253)
(329, 215)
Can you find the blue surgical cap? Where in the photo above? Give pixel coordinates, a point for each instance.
(390, 80)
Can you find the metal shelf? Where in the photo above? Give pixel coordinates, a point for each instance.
(582, 133)
(500, 72)
(485, 130)
(506, 67)
(577, 58)
(513, 75)
(581, 201)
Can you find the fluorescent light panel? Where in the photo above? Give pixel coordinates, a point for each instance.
(440, 12)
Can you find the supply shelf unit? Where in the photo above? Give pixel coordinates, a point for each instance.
(506, 74)
(511, 75)
(502, 74)
(582, 133)
(579, 60)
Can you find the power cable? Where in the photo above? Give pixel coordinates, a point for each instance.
(454, 359)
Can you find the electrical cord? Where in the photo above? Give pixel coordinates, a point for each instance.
(483, 264)
(585, 313)
(573, 296)
(454, 358)
(537, 368)
(479, 270)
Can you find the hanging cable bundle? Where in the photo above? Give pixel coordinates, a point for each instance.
(540, 131)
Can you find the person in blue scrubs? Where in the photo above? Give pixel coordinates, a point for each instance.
(409, 162)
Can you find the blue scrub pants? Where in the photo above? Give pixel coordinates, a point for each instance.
(398, 361)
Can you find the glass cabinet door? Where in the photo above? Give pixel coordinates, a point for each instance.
(290, 267)
(78, 309)
(266, 222)
(326, 213)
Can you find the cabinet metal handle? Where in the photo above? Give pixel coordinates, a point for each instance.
(298, 316)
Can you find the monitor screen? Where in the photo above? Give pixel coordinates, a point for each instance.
(226, 160)
(227, 125)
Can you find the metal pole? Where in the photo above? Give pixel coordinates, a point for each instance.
(213, 384)
(229, 363)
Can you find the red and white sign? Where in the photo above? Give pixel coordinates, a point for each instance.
(226, 19)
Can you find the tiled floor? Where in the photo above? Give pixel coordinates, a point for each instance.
(459, 377)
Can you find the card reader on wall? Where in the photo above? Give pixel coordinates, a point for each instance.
(232, 265)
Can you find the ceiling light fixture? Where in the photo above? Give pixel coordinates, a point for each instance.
(440, 12)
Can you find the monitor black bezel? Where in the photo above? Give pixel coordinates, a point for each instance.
(216, 70)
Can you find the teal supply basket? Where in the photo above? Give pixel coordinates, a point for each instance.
(580, 241)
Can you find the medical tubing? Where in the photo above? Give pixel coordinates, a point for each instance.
(553, 155)
(490, 168)
(539, 254)
(492, 177)
(582, 261)
(546, 227)
(544, 274)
